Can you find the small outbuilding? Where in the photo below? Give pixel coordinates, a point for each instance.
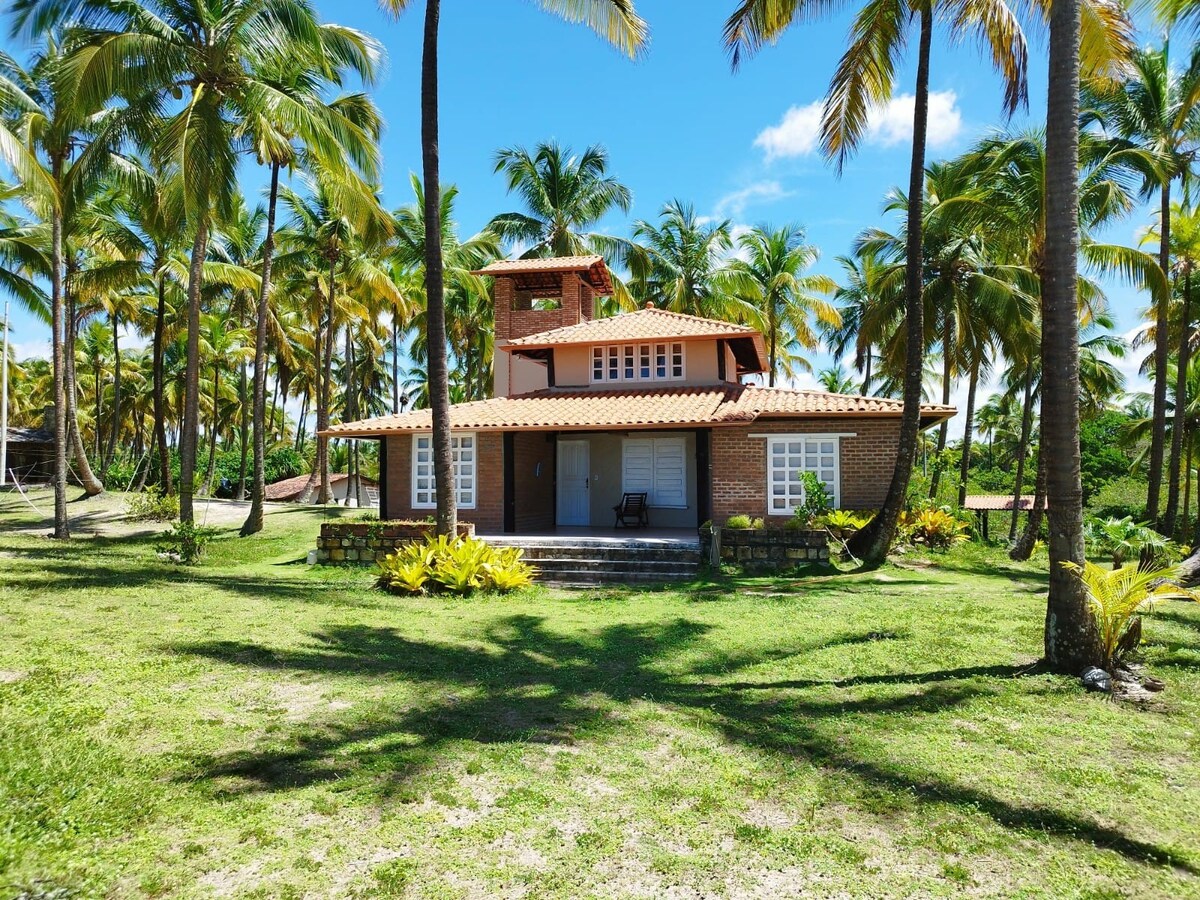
(290, 490)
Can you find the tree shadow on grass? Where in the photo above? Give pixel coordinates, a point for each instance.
(519, 681)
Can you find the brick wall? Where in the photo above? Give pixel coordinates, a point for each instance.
(488, 514)
(533, 481)
(578, 303)
(739, 462)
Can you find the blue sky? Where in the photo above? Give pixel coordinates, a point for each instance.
(677, 123)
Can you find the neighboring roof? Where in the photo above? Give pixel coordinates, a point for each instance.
(30, 436)
(600, 410)
(985, 502)
(591, 268)
(291, 488)
(650, 324)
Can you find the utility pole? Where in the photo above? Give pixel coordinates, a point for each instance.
(4, 404)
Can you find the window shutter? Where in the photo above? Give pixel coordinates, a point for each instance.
(670, 473)
(638, 466)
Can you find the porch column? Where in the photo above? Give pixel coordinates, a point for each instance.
(383, 479)
(703, 476)
(510, 492)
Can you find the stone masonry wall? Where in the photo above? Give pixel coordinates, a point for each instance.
(368, 542)
(766, 550)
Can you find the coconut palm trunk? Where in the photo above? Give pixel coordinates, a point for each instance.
(258, 486)
(111, 450)
(435, 316)
(1161, 363)
(325, 491)
(872, 543)
(58, 348)
(947, 370)
(189, 431)
(1182, 360)
(1022, 452)
(969, 427)
(83, 467)
(395, 363)
(207, 488)
(1070, 638)
(1023, 548)
(160, 410)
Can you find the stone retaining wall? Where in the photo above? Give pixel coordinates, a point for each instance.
(367, 542)
(764, 550)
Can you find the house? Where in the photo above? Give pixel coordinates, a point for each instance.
(289, 490)
(29, 455)
(586, 409)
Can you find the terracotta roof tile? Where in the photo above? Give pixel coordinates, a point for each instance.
(597, 274)
(982, 502)
(754, 401)
(649, 324)
(599, 410)
(290, 488)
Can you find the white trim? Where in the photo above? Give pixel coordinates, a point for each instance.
(833, 470)
(422, 482)
(650, 348)
(803, 434)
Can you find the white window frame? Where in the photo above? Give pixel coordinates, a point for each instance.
(609, 362)
(466, 472)
(772, 440)
(652, 491)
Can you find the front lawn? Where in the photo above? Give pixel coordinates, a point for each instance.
(254, 727)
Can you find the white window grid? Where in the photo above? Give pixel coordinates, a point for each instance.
(788, 456)
(623, 363)
(464, 454)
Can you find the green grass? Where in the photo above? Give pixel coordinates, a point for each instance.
(254, 727)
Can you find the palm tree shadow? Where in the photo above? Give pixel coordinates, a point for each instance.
(519, 681)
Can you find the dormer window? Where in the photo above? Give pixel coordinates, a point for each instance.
(617, 363)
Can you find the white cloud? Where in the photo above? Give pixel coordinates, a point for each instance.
(735, 202)
(799, 132)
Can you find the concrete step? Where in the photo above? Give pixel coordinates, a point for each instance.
(613, 554)
(588, 578)
(556, 564)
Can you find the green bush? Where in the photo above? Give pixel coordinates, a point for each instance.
(1124, 496)
(738, 521)
(152, 506)
(185, 542)
(1124, 539)
(816, 498)
(120, 475)
(457, 565)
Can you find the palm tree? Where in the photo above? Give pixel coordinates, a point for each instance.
(1071, 641)
(195, 59)
(307, 128)
(614, 20)
(1184, 246)
(682, 264)
(868, 282)
(564, 195)
(864, 77)
(770, 278)
(1158, 108)
(835, 380)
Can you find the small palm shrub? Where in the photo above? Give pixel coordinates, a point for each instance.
(842, 523)
(936, 528)
(1116, 598)
(1124, 539)
(152, 506)
(184, 542)
(741, 521)
(456, 565)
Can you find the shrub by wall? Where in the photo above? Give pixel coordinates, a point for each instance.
(370, 542)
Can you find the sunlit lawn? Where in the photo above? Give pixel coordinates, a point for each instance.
(256, 727)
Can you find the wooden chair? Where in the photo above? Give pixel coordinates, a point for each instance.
(632, 507)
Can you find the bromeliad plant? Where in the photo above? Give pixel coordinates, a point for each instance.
(1118, 596)
(842, 523)
(933, 527)
(457, 565)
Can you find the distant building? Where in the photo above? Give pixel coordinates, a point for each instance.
(289, 490)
